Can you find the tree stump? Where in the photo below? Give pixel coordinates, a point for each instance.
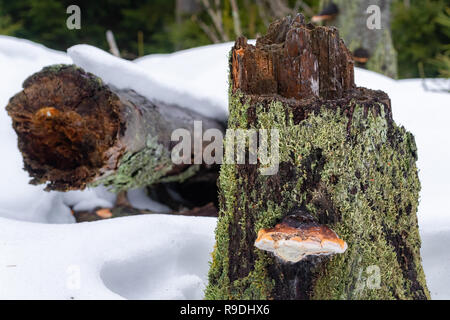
(75, 131)
(343, 162)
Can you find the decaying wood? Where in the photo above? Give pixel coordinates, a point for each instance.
(344, 164)
(286, 62)
(74, 131)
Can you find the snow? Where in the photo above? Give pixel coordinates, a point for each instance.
(19, 200)
(140, 200)
(125, 74)
(45, 255)
(205, 76)
(93, 198)
(209, 83)
(134, 258)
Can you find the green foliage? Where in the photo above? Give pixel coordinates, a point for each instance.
(442, 61)
(186, 35)
(422, 35)
(44, 21)
(250, 15)
(7, 27)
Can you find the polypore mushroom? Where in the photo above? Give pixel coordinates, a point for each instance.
(328, 13)
(299, 236)
(361, 56)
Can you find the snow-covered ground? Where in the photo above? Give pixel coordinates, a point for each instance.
(161, 256)
(144, 257)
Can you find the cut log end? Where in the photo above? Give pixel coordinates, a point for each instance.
(66, 122)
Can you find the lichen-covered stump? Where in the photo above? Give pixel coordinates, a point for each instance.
(75, 131)
(343, 160)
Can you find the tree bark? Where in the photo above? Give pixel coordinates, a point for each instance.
(75, 131)
(343, 160)
(352, 24)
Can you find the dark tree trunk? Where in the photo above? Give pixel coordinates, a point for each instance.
(75, 131)
(343, 160)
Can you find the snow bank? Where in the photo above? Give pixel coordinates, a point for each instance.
(202, 72)
(19, 200)
(142, 257)
(125, 74)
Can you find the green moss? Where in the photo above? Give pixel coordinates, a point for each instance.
(54, 68)
(238, 114)
(94, 82)
(144, 168)
(257, 285)
(369, 174)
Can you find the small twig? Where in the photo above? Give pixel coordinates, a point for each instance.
(307, 9)
(262, 12)
(422, 76)
(122, 199)
(140, 43)
(112, 43)
(216, 17)
(209, 32)
(279, 8)
(236, 20)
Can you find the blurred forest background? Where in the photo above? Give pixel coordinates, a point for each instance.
(420, 28)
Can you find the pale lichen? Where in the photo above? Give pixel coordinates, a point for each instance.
(143, 168)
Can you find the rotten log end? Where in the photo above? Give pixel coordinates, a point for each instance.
(67, 121)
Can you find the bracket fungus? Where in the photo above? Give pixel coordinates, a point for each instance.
(327, 14)
(299, 236)
(361, 56)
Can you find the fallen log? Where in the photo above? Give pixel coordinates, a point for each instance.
(338, 219)
(74, 131)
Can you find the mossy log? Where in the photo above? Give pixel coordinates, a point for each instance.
(352, 23)
(342, 159)
(74, 131)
